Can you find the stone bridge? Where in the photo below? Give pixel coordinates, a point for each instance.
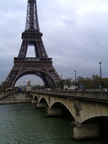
(89, 110)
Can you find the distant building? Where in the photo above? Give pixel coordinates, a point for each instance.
(72, 87)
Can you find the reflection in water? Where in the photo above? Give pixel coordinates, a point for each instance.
(24, 124)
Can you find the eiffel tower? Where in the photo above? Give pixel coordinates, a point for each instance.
(41, 64)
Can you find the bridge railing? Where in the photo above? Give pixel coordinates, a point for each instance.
(87, 95)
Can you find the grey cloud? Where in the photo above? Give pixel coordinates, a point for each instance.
(75, 33)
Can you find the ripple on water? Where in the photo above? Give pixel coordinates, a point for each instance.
(24, 124)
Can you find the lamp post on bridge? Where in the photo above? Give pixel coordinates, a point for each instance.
(100, 76)
(75, 79)
(61, 76)
(24, 85)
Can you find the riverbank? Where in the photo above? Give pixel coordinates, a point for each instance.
(14, 98)
(15, 102)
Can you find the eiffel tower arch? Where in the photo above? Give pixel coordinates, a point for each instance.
(41, 64)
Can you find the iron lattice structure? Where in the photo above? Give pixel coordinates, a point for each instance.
(41, 64)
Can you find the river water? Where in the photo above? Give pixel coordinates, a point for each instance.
(25, 124)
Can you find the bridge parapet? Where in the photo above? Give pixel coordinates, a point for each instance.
(96, 96)
(90, 94)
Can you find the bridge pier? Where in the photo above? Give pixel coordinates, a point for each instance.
(33, 101)
(41, 105)
(87, 131)
(53, 111)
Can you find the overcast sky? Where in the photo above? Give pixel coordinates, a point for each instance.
(75, 35)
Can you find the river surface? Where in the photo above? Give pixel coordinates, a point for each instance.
(25, 124)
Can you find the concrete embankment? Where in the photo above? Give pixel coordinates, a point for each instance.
(16, 98)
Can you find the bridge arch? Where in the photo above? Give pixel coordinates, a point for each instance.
(63, 107)
(35, 97)
(44, 100)
(101, 121)
(96, 119)
(31, 95)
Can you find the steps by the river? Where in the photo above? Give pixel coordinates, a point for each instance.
(13, 98)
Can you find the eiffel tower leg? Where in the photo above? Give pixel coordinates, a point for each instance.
(10, 81)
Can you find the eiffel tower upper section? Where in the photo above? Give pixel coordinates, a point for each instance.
(32, 24)
(32, 34)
